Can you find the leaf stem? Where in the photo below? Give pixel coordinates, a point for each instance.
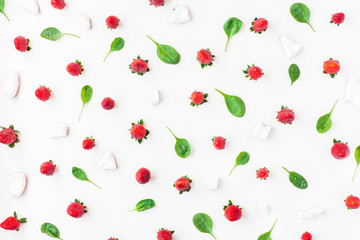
(5, 16)
(220, 92)
(232, 170)
(71, 35)
(152, 40)
(172, 132)
(311, 26)
(81, 111)
(227, 42)
(212, 235)
(286, 169)
(107, 55)
(333, 106)
(355, 172)
(273, 225)
(93, 183)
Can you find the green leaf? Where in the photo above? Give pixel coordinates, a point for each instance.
(81, 175)
(301, 13)
(116, 45)
(2, 9)
(182, 146)
(267, 235)
(231, 27)
(144, 205)
(235, 105)
(357, 159)
(51, 230)
(297, 180)
(294, 73)
(166, 53)
(324, 122)
(242, 159)
(203, 223)
(54, 34)
(86, 94)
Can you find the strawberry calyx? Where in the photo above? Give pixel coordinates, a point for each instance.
(91, 138)
(78, 201)
(82, 67)
(229, 204)
(163, 229)
(216, 137)
(28, 47)
(338, 141)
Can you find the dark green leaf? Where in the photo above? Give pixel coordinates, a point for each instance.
(235, 105)
(297, 180)
(86, 94)
(144, 205)
(116, 45)
(2, 8)
(51, 230)
(166, 53)
(231, 27)
(242, 159)
(294, 73)
(54, 34)
(301, 13)
(324, 122)
(81, 175)
(267, 235)
(357, 159)
(203, 223)
(182, 146)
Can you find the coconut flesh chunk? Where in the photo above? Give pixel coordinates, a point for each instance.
(108, 162)
(180, 14)
(10, 83)
(291, 48)
(31, 6)
(17, 184)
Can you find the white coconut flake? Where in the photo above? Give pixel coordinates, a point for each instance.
(262, 131)
(58, 130)
(352, 94)
(17, 184)
(310, 213)
(153, 97)
(108, 162)
(290, 47)
(85, 21)
(212, 183)
(180, 14)
(10, 83)
(263, 209)
(31, 6)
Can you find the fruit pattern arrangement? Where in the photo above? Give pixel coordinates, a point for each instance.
(236, 106)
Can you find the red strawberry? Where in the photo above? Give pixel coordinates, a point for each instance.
(164, 234)
(338, 18)
(262, 173)
(340, 150)
(75, 68)
(22, 44)
(232, 212)
(88, 143)
(183, 184)
(107, 103)
(205, 57)
(138, 131)
(352, 202)
(47, 168)
(58, 4)
(253, 72)
(76, 209)
(331, 67)
(113, 238)
(112, 22)
(157, 3)
(306, 236)
(12, 223)
(198, 98)
(139, 66)
(43, 93)
(285, 115)
(219, 143)
(259, 25)
(143, 176)
(9, 136)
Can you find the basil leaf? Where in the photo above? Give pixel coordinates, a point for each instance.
(54, 34)
(324, 122)
(182, 146)
(301, 13)
(203, 223)
(235, 105)
(267, 235)
(231, 27)
(2, 9)
(357, 159)
(294, 73)
(242, 159)
(51, 230)
(166, 53)
(86, 94)
(116, 45)
(81, 175)
(144, 205)
(297, 180)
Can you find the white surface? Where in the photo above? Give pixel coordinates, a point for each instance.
(310, 213)
(298, 146)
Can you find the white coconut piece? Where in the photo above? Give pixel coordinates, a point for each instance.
(17, 184)
(180, 14)
(85, 21)
(290, 47)
(108, 162)
(153, 97)
(262, 131)
(212, 183)
(263, 209)
(352, 94)
(310, 213)
(31, 6)
(10, 83)
(58, 130)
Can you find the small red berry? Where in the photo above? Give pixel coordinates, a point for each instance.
(352, 202)
(205, 57)
(183, 184)
(219, 143)
(157, 3)
(143, 175)
(107, 103)
(139, 66)
(113, 238)
(331, 67)
(340, 150)
(338, 18)
(76, 209)
(112, 22)
(138, 131)
(22, 44)
(47, 168)
(58, 4)
(43, 93)
(286, 115)
(306, 236)
(198, 98)
(9, 136)
(75, 68)
(262, 173)
(232, 212)
(164, 234)
(12, 223)
(254, 72)
(259, 25)
(88, 143)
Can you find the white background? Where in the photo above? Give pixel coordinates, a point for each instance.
(298, 146)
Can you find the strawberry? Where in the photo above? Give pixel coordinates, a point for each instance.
(12, 223)
(285, 115)
(205, 57)
(164, 234)
(259, 25)
(9, 136)
(112, 22)
(262, 173)
(337, 18)
(232, 212)
(331, 67)
(139, 66)
(352, 202)
(198, 98)
(143, 176)
(138, 131)
(58, 4)
(43, 93)
(88, 143)
(22, 44)
(340, 150)
(113, 238)
(157, 3)
(107, 103)
(306, 236)
(219, 143)
(254, 72)
(76, 209)
(183, 184)
(47, 168)
(75, 68)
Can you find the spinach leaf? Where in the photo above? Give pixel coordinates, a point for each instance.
(294, 73)
(144, 205)
(166, 53)
(267, 235)
(242, 159)
(86, 94)
(235, 105)
(203, 223)
(182, 146)
(297, 180)
(231, 27)
(116, 45)
(357, 158)
(54, 34)
(301, 13)
(51, 230)
(324, 122)
(2, 9)
(81, 175)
